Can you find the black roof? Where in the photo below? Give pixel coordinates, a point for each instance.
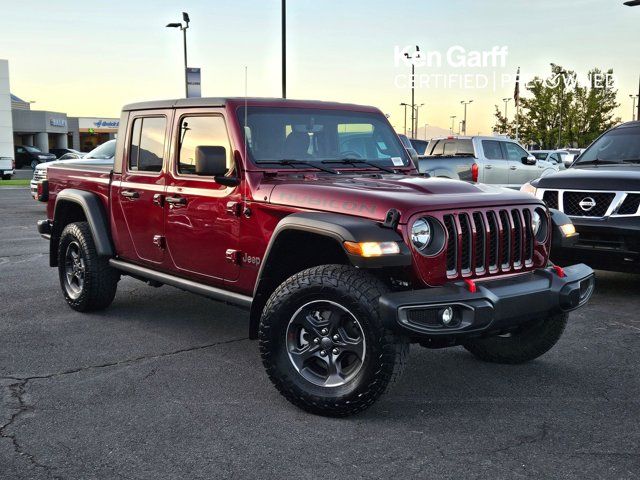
(222, 101)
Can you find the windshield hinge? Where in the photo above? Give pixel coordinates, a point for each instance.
(392, 218)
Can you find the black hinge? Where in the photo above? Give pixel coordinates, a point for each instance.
(234, 208)
(391, 219)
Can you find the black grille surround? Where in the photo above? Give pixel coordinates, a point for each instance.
(571, 203)
(489, 242)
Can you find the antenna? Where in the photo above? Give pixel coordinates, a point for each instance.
(245, 111)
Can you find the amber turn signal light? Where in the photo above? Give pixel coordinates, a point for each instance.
(372, 249)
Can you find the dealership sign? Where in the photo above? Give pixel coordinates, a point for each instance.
(94, 124)
(58, 122)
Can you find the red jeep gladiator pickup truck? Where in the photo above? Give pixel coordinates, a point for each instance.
(312, 216)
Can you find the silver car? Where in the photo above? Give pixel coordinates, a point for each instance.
(493, 160)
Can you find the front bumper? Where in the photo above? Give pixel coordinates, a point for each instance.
(497, 305)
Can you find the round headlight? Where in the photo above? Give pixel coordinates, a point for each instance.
(421, 234)
(535, 222)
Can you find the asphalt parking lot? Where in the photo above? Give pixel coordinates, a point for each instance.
(165, 384)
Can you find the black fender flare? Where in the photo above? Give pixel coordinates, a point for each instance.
(93, 212)
(338, 227)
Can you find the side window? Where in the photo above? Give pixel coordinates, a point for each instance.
(450, 148)
(515, 152)
(492, 150)
(438, 148)
(146, 153)
(20, 150)
(553, 158)
(196, 131)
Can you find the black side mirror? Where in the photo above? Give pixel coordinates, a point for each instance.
(529, 160)
(212, 162)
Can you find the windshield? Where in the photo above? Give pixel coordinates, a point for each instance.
(32, 149)
(314, 135)
(104, 152)
(616, 146)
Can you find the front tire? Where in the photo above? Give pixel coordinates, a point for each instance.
(323, 343)
(88, 282)
(6, 177)
(34, 164)
(524, 345)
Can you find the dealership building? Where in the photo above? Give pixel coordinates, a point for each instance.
(22, 125)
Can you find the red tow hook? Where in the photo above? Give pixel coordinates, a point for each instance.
(471, 285)
(559, 271)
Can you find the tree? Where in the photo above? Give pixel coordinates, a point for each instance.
(561, 112)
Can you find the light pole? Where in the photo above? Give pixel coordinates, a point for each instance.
(453, 118)
(185, 19)
(413, 82)
(562, 74)
(415, 129)
(405, 105)
(506, 100)
(633, 110)
(464, 122)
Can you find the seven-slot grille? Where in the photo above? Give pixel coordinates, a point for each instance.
(488, 242)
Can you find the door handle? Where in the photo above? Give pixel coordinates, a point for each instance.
(513, 167)
(130, 194)
(488, 167)
(173, 201)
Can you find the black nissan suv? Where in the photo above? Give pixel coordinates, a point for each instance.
(601, 194)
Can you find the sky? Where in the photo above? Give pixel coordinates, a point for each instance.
(90, 58)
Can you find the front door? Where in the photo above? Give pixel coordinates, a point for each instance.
(519, 172)
(202, 216)
(138, 195)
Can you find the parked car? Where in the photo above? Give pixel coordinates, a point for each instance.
(101, 155)
(420, 146)
(72, 156)
(59, 152)
(334, 245)
(7, 167)
(491, 160)
(601, 194)
(562, 158)
(32, 156)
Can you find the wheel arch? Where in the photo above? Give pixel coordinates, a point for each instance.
(74, 205)
(310, 239)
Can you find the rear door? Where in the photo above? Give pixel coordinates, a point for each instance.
(138, 195)
(494, 168)
(202, 216)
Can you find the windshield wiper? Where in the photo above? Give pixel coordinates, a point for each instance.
(291, 162)
(355, 161)
(597, 161)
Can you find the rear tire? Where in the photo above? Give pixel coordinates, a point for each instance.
(88, 282)
(6, 177)
(522, 346)
(323, 343)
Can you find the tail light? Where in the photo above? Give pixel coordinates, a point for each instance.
(474, 172)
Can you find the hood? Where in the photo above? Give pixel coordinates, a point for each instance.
(601, 177)
(372, 196)
(77, 161)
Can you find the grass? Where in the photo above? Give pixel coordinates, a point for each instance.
(19, 182)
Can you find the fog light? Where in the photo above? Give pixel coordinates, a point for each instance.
(568, 229)
(447, 316)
